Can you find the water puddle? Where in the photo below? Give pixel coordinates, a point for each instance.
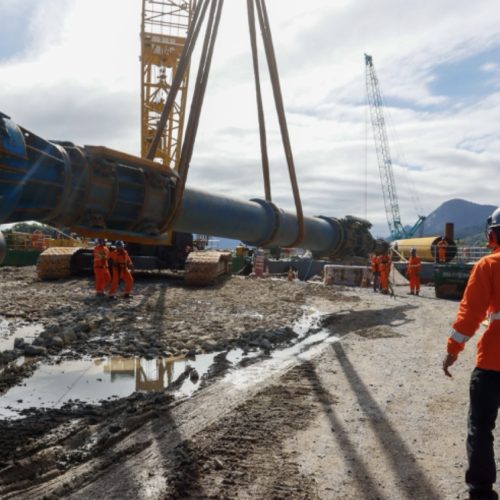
(92, 380)
(11, 330)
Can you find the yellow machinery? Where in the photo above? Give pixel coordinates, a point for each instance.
(163, 35)
(426, 248)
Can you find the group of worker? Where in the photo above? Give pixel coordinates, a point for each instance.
(381, 268)
(112, 265)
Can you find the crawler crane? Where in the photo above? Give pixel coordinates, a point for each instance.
(396, 228)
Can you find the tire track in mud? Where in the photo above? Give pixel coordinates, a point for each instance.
(239, 455)
(242, 454)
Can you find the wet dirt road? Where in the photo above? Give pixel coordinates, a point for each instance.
(350, 403)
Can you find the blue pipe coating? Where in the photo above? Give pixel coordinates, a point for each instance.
(98, 190)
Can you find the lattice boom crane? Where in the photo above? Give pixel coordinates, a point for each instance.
(391, 203)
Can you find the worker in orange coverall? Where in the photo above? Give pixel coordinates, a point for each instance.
(101, 268)
(414, 264)
(374, 268)
(121, 265)
(481, 297)
(384, 265)
(441, 249)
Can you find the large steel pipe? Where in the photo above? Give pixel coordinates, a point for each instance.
(99, 192)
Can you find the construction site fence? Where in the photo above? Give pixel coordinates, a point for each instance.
(470, 254)
(39, 241)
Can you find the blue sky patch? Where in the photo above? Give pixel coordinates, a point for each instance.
(15, 29)
(468, 79)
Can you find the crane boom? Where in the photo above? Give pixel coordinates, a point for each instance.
(396, 228)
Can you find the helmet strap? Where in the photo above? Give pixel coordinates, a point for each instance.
(492, 238)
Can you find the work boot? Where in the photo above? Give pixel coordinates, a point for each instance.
(126, 295)
(417, 292)
(412, 292)
(112, 297)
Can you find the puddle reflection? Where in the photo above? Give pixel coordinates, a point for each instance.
(93, 380)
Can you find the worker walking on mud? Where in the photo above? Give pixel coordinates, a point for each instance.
(101, 267)
(121, 265)
(441, 250)
(414, 264)
(384, 265)
(481, 297)
(374, 267)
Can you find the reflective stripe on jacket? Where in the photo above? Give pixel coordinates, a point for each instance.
(482, 296)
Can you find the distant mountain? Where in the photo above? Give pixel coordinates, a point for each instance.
(469, 219)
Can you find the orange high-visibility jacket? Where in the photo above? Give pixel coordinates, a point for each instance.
(481, 297)
(374, 264)
(414, 264)
(441, 248)
(120, 260)
(384, 263)
(101, 256)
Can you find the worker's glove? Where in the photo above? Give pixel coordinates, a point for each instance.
(448, 360)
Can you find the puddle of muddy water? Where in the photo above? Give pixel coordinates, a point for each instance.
(92, 380)
(11, 330)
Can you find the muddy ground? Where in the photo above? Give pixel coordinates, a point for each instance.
(355, 408)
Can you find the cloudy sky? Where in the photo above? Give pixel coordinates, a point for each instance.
(69, 69)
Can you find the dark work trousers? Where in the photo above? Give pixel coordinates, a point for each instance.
(484, 403)
(376, 281)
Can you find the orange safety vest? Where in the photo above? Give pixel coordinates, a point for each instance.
(384, 263)
(414, 264)
(374, 264)
(441, 248)
(101, 256)
(120, 259)
(481, 297)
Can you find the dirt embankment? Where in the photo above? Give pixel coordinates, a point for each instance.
(361, 411)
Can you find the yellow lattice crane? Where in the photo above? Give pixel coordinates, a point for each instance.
(163, 35)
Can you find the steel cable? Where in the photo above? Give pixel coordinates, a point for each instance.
(278, 100)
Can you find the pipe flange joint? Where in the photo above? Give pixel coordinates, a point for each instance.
(340, 231)
(274, 215)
